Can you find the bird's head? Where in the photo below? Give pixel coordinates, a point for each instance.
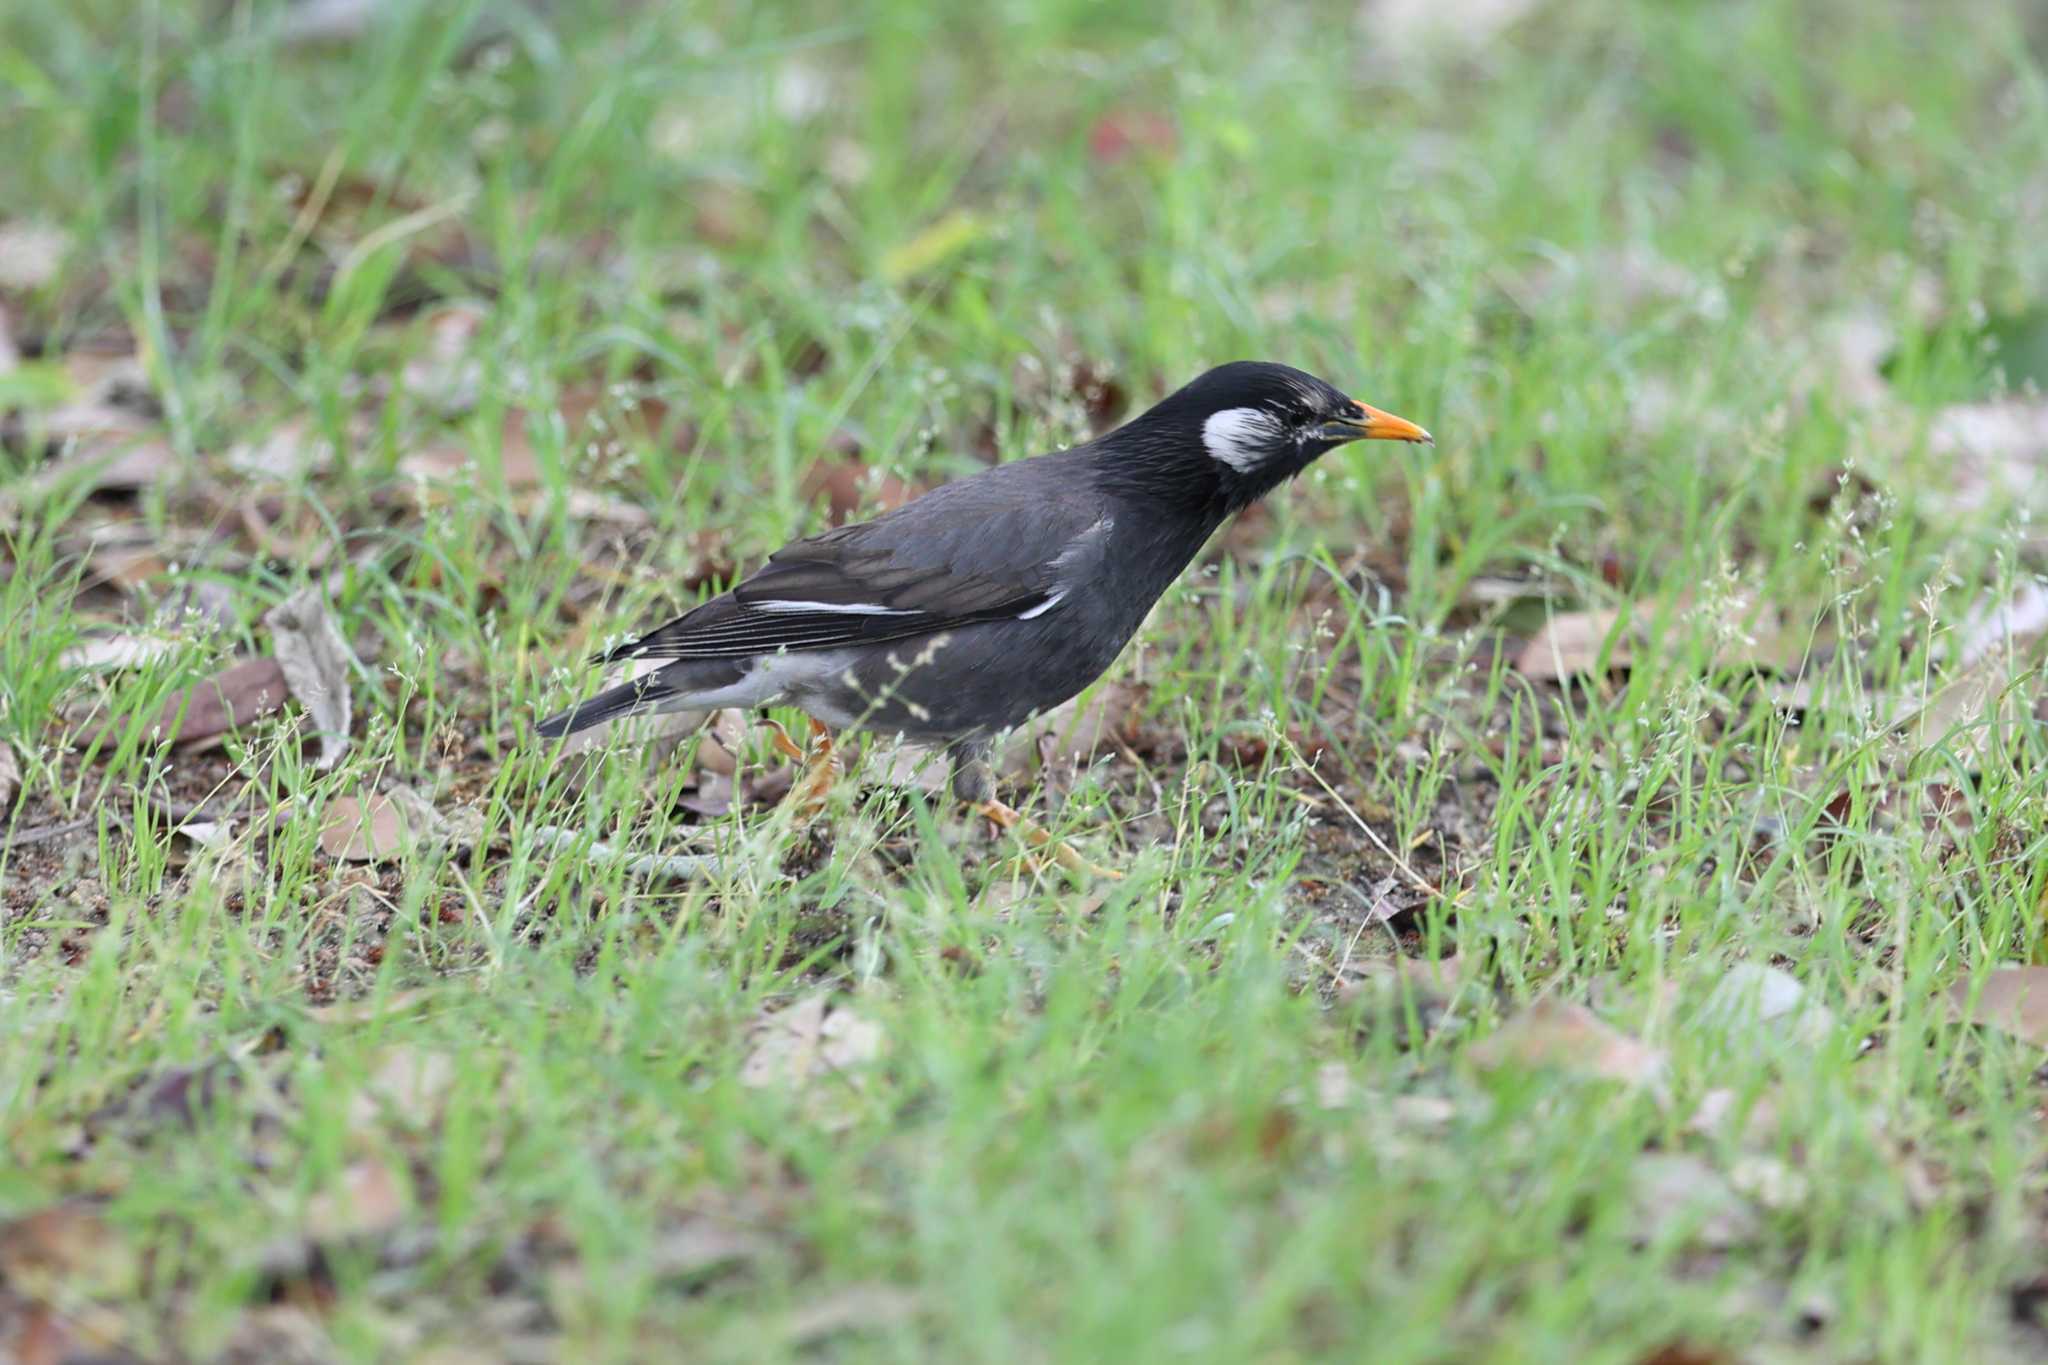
(1244, 428)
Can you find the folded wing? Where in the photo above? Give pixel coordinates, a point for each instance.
(963, 554)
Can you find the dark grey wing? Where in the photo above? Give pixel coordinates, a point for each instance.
(987, 548)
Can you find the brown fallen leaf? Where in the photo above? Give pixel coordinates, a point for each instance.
(850, 487)
(31, 253)
(364, 831)
(370, 1202)
(725, 738)
(175, 1098)
(2013, 624)
(288, 452)
(367, 1009)
(1994, 450)
(1985, 701)
(66, 1251)
(1681, 1352)
(593, 420)
(316, 661)
(1746, 631)
(455, 461)
(1574, 643)
(2014, 1000)
(406, 1086)
(808, 1040)
(212, 708)
(1675, 1194)
(1570, 1037)
(855, 1308)
(125, 461)
(123, 560)
(102, 427)
(109, 653)
(448, 373)
(1071, 735)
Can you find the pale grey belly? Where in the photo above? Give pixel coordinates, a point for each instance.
(975, 678)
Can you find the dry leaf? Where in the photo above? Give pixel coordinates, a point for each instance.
(455, 462)
(122, 559)
(2009, 625)
(10, 775)
(106, 653)
(851, 487)
(370, 1203)
(287, 453)
(448, 374)
(704, 1244)
(114, 464)
(1678, 1194)
(103, 431)
(1983, 701)
(406, 1087)
(364, 832)
(2013, 1000)
(1750, 994)
(1571, 643)
(1069, 736)
(369, 1008)
(65, 1252)
(807, 1040)
(1848, 356)
(1570, 1037)
(31, 253)
(1746, 631)
(591, 418)
(859, 1307)
(1995, 449)
(316, 661)
(724, 740)
(212, 834)
(207, 710)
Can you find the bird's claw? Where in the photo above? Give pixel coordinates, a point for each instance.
(821, 767)
(1004, 817)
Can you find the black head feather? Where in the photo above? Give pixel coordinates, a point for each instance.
(1227, 438)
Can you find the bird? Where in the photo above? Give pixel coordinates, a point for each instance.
(994, 598)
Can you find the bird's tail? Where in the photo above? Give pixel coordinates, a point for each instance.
(642, 694)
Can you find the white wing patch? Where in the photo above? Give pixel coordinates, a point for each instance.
(1241, 437)
(830, 608)
(1043, 607)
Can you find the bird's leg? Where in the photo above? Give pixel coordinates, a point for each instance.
(784, 745)
(822, 767)
(974, 785)
(1032, 833)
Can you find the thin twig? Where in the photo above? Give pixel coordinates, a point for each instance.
(675, 866)
(1421, 882)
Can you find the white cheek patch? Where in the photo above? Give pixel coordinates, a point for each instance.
(1241, 437)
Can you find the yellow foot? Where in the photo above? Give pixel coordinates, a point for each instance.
(822, 767)
(1027, 829)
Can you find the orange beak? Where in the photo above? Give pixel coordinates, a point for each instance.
(1370, 424)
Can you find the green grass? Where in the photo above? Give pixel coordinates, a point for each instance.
(1601, 254)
